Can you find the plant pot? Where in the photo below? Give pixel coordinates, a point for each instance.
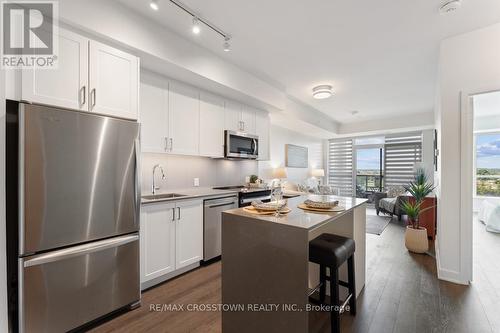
(416, 240)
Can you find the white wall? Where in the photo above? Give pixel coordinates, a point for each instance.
(281, 136)
(180, 171)
(468, 62)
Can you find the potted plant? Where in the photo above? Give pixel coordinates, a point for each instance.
(415, 235)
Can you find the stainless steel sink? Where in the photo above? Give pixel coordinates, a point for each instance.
(163, 196)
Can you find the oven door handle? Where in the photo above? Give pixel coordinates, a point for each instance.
(267, 197)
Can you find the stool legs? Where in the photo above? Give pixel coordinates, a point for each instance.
(322, 280)
(352, 284)
(334, 300)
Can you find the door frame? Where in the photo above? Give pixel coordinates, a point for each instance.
(466, 178)
(355, 149)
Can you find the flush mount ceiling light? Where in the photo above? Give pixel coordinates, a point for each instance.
(450, 6)
(196, 26)
(322, 91)
(198, 20)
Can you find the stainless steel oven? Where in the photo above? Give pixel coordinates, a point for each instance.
(241, 145)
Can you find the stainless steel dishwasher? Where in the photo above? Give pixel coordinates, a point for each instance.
(212, 222)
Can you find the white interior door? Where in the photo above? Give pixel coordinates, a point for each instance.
(211, 125)
(157, 240)
(184, 119)
(153, 114)
(114, 81)
(65, 86)
(189, 233)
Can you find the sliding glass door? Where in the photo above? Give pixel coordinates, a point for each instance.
(369, 171)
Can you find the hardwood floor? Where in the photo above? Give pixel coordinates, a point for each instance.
(402, 294)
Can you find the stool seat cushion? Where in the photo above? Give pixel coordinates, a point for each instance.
(330, 250)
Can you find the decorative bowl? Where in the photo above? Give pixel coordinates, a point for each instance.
(321, 204)
(269, 206)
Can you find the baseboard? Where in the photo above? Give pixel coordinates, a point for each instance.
(446, 274)
(168, 276)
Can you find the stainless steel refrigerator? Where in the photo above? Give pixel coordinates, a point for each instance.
(73, 204)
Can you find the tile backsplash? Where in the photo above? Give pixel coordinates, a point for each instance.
(180, 171)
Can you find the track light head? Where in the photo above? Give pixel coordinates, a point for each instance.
(154, 5)
(227, 46)
(196, 26)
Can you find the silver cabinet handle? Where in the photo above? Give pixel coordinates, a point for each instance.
(79, 250)
(171, 144)
(93, 98)
(173, 214)
(243, 126)
(165, 144)
(83, 95)
(178, 213)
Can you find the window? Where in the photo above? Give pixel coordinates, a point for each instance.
(488, 164)
(340, 168)
(402, 151)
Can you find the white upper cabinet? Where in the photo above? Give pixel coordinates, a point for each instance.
(90, 76)
(239, 118)
(184, 119)
(211, 125)
(157, 238)
(67, 85)
(189, 233)
(248, 120)
(263, 127)
(232, 116)
(154, 113)
(114, 80)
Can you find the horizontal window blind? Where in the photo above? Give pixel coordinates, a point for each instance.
(402, 151)
(340, 166)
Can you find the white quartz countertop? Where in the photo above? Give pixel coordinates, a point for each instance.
(301, 218)
(188, 193)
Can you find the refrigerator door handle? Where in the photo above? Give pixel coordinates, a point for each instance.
(79, 250)
(137, 146)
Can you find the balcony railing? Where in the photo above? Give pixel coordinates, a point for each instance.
(367, 184)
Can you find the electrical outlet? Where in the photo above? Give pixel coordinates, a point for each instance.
(196, 182)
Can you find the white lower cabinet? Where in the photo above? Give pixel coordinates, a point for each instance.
(171, 238)
(188, 233)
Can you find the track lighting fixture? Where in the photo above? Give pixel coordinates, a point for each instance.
(196, 26)
(154, 5)
(227, 45)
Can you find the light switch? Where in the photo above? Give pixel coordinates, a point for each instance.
(196, 182)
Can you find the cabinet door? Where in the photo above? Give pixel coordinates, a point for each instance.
(157, 240)
(262, 129)
(184, 119)
(232, 115)
(189, 233)
(67, 85)
(248, 120)
(211, 125)
(114, 81)
(153, 113)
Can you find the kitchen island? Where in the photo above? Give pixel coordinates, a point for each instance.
(266, 274)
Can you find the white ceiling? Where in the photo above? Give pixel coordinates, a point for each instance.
(487, 104)
(380, 56)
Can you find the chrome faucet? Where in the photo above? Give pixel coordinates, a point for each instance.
(154, 188)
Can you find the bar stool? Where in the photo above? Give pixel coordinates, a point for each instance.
(332, 251)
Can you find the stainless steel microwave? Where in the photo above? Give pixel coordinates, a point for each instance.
(240, 145)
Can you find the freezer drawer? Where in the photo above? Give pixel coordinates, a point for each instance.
(64, 289)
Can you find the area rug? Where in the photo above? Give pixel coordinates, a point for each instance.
(376, 224)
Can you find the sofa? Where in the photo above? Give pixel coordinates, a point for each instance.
(389, 202)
